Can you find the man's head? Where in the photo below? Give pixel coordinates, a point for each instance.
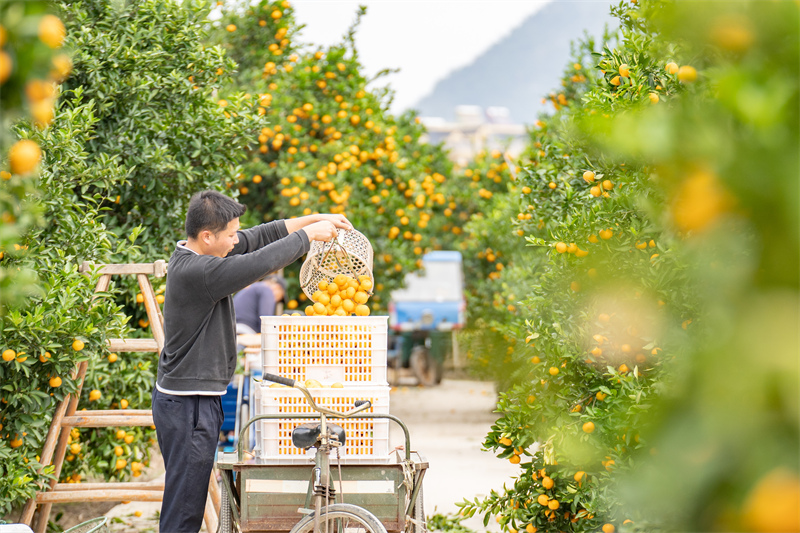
(212, 221)
(278, 286)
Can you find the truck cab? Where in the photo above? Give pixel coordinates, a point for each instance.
(424, 316)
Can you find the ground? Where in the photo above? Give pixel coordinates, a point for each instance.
(447, 424)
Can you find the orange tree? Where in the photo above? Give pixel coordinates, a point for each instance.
(657, 265)
(134, 133)
(25, 61)
(332, 146)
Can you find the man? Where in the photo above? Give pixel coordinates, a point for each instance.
(257, 300)
(199, 356)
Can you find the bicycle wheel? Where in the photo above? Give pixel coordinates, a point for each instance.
(342, 518)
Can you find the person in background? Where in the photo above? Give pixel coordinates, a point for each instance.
(257, 300)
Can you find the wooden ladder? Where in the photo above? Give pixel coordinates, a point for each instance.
(65, 417)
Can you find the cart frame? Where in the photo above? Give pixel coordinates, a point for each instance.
(266, 497)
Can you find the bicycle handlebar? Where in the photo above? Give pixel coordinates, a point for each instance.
(360, 405)
(279, 379)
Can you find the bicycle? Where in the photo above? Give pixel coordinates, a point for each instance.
(324, 514)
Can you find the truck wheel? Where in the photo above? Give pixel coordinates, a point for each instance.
(427, 370)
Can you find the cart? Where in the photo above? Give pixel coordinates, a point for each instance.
(275, 496)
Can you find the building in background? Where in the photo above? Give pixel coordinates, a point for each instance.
(476, 130)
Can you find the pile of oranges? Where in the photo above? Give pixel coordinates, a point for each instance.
(342, 296)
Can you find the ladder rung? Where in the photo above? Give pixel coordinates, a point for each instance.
(132, 345)
(117, 412)
(157, 269)
(98, 495)
(92, 421)
(127, 485)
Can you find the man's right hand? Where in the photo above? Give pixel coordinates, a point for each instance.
(323, 230)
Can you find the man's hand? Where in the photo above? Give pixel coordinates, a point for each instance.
(340, 221)
(324, 230)
(319, 227)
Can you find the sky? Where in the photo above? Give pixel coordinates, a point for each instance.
(425, 39)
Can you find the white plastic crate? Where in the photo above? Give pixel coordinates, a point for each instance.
(350, 350)
(367, 439)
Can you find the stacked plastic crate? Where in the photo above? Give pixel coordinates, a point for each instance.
(341, 360)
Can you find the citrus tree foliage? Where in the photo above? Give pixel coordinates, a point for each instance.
(151, 77)
(26, 67)
(332, 146)
(133, 135)
(635, 356)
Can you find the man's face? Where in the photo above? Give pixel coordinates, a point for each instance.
(221, 243)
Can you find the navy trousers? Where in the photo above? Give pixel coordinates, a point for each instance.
(187, 428)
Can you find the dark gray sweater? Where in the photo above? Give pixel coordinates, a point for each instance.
(199, 355)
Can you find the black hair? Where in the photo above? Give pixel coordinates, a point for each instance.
(212, 211)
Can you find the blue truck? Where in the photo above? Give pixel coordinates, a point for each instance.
(424, 316)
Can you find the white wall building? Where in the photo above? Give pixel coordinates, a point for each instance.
(475, 130)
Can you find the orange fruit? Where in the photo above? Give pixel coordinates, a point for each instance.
(505, 441)
(553, 505)
(17, 442)
(112, 358)
(78, 345)
(362, 310)
(553, 371)
(9, 355)
(772, 503)
(24, 156)
(623, 368)
(123, 404)
(624, 70)
(548, 483)
(615, 81)
(75, 448)
(360, 297)
(579, 475)
(231, 27)
(310, 310)
(128, 439)
(530, 528)
(120, 464)
(608, 185)
(588, 427)
(6, 66)
(94, 395)
(671, 67)
(319, 309)
(596, 191)
(52, 31)
(600, 396)
(588, 176)
(687, 74)
(543, 499)
(609, 528)
(365, 285)
(514, 459)
(653, 98)
(55, 382)
(561, 247)
(606, 234)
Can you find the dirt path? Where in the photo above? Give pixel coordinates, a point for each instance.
(447, 424)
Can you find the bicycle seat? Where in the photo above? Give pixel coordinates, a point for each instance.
(307, 435)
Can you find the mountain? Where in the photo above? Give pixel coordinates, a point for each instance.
(524, 66)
